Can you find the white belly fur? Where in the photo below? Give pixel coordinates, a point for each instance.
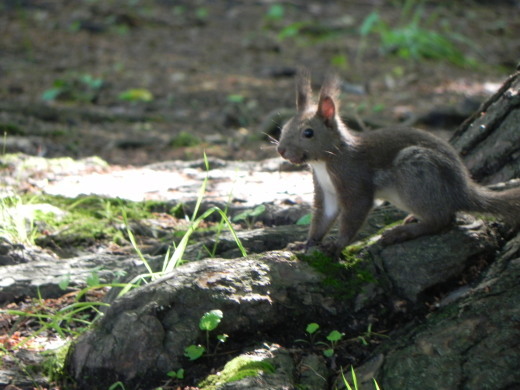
(330, 195)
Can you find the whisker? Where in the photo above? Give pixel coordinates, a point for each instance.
(276, 119)
(271, 139)
(265, 147)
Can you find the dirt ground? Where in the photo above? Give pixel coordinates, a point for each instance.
(212, 76)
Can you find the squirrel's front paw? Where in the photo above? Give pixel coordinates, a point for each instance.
(328, 249)
(312, 246)
(297, 246)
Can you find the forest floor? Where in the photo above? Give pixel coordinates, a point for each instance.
(136, 82)
(143, 82)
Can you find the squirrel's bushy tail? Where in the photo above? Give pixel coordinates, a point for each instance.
(505, 204)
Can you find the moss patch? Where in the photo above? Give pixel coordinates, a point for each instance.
(239, 368)
(54, 362)
(347, 277)
(11, 129)
(84, 220)
(324, 264)
(185, 139)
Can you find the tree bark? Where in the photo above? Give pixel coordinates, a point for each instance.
(489, 140)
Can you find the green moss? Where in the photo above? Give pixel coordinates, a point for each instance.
(239, 368)
(86, 219)
(389, 226)
(185, 139)
(347, 277)
(11, 129)
(326, 266)
(351, 254)
(53, 363)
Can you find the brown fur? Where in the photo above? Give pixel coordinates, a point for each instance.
(412, 169)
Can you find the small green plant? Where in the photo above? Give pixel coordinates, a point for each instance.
(16, 225)
(240, 110)
(222, 338)
(173, 260)
(202, 14)
(292, 30)
(208, 322)
(273, 18)
(179, 10)
(72, 319)
(117, 385)
(54, 362)
(340, 61)
(410, 40)
(354, 380)
(305, 220)
(175, 254)
(76, 87)
(333, 338)
(304, 32)
(179, 374)
(92, 280)
(136, 95)
(236, 98)
(312, 330)
(367, 337)
(239, 368)
(249, 216)
(193, 352)
(378, 107)
(63, 321)
(275, 12)
(367, 27)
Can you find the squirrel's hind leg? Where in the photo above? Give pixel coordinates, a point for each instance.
(411, 230)
(427, 185)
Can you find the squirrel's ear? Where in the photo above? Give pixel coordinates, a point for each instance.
(326, 108)
(327, 104)
(303, 90)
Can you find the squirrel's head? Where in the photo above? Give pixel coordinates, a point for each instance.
(316, 131)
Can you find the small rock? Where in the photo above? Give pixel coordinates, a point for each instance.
(313, 373)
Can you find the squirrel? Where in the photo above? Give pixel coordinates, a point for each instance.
(412, 169)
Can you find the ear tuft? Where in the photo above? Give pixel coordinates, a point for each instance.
(303, 89)
(330, 86)
(328, 103)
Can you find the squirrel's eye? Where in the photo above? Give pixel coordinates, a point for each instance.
(308, 133)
